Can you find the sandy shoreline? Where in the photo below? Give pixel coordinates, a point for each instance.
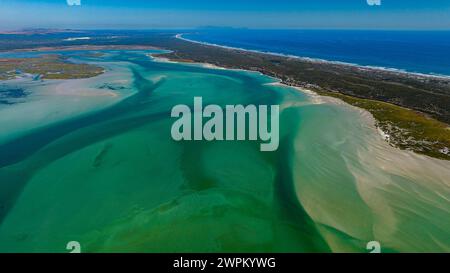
(276, 81)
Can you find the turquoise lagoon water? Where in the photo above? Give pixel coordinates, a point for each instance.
(95, 163)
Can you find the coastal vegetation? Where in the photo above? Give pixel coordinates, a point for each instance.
(405, 128)
(46, 67)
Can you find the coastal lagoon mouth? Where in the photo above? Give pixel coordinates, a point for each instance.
(98, 166)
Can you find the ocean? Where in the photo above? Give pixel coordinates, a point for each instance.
(413, 51)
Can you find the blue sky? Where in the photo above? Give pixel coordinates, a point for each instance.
(140, 14)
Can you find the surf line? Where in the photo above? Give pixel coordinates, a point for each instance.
(230, 125)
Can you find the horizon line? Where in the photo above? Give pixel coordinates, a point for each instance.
(220, 27)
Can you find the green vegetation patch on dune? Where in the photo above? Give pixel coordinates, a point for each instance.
(404, 128)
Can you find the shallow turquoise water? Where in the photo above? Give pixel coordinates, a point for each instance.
(114, 180)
